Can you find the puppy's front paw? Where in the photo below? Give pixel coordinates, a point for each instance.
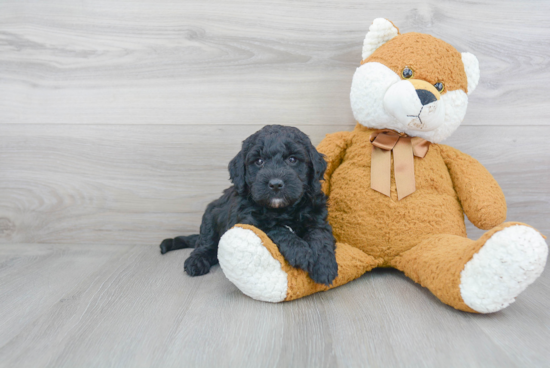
(166, 245)
(300, 257)
(325, 269)
(196, 266)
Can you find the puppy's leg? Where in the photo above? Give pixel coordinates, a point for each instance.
(322, 243)
(179, 242)
(294, 249)
(205, 254)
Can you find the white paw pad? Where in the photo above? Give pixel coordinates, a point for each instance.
(250, 267)
(508, 262)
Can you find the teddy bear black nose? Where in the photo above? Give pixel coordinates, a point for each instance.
(425, 96)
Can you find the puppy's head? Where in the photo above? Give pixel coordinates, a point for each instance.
(276, 166)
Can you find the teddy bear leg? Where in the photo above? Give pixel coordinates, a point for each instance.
(481, 276)
(251, 261)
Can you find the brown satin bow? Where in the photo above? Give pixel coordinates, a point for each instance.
(403, 147)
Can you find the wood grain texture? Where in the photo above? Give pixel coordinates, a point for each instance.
(49, 271)
(130, 306)
(139, 184)
(245, 62)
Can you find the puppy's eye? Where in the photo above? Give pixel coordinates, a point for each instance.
(259, 162)
(407, 72)
(292, 160)
(439, 86)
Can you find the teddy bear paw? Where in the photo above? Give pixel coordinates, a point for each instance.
(250, 267)
(509, 261)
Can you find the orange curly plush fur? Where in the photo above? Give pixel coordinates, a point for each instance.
(423, 234)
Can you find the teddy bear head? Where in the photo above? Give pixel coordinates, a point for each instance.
(412, 83)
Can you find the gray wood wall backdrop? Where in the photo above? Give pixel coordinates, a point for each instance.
(118, 119)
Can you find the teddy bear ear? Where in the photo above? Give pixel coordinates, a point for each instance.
(471, 67)
(380, 31)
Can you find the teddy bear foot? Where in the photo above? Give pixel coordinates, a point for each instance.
(509, 261)
(248, 264)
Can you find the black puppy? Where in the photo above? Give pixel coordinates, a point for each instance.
(276, 188)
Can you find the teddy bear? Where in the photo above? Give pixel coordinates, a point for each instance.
(397, 197)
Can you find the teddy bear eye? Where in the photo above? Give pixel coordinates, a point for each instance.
(407, 72)
(439, 86)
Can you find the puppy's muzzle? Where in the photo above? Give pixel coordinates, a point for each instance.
(276, 185)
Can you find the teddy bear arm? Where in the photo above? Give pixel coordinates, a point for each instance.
(481, 197)
(333, 147)
(251, 260)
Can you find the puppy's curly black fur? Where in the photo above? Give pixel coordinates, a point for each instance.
(276, 188)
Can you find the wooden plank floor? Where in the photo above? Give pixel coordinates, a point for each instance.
(128, 306)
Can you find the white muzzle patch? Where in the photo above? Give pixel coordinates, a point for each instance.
(277, 203)
(402, 102)
(380, 99)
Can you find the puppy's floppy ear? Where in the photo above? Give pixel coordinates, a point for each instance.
(318, 164)
(237, 173)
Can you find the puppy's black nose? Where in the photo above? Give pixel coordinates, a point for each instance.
(425, 96)
(276, 184)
